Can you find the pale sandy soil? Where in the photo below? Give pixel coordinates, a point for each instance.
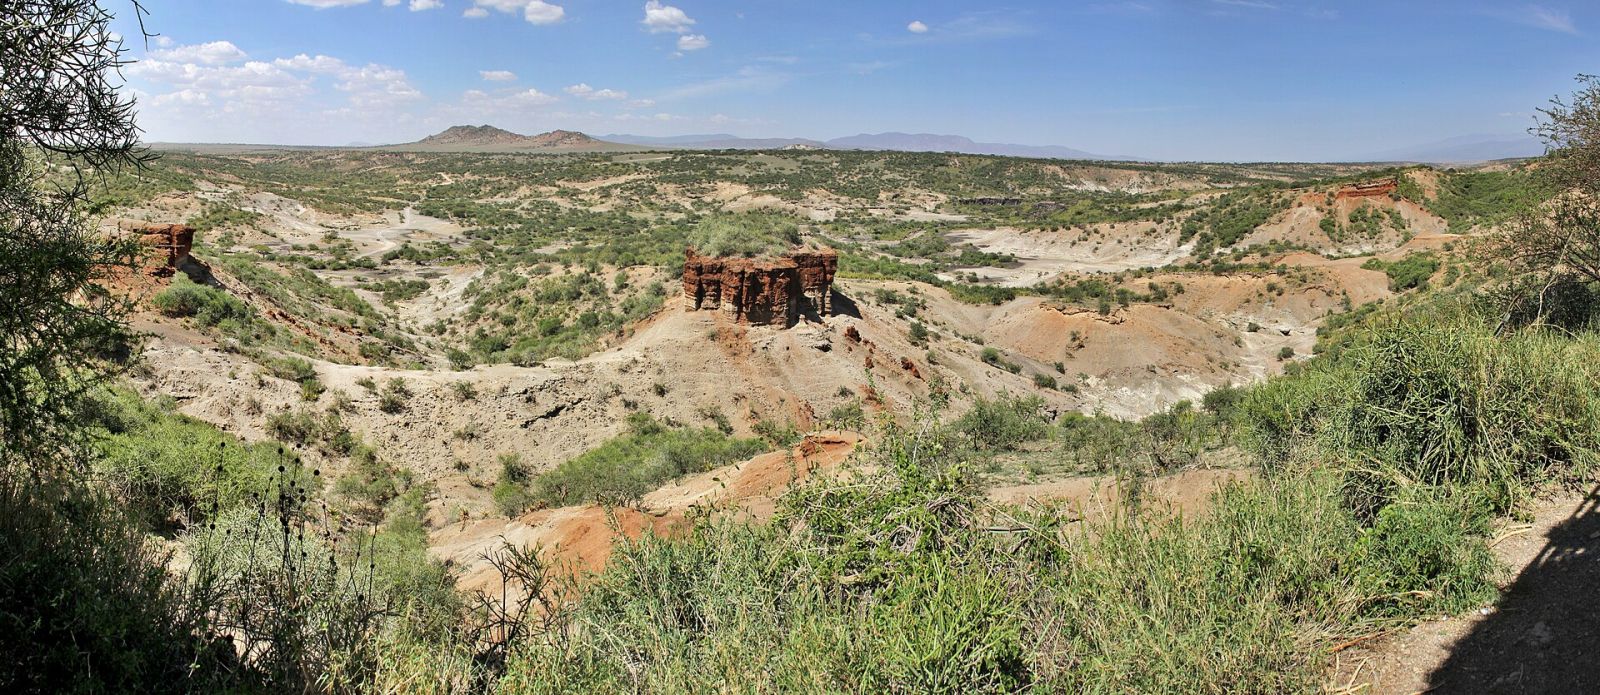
(1541, 636)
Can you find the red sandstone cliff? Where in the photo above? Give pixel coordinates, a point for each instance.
(166, 246)
(1370, 189)
(762, 290)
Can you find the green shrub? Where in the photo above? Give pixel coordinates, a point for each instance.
(1410, 272)
(169, 467)
(87, 604)
(1003, 423)
(511, 495)
(753, 234)
(626, 467)
(392, 399)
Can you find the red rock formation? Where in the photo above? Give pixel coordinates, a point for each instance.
(1370, 189)
(167, 246)
(762, 290)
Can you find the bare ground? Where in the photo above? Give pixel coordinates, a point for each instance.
(1541, 636)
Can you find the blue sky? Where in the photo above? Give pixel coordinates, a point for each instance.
(1169, 79)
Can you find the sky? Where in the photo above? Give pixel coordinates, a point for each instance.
(1216, 80)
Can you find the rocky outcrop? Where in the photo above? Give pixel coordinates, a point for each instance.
(1369, 189)
(164, 247)
(765, 291)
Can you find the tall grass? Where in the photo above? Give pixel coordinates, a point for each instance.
(901, 578)
(1439, 403)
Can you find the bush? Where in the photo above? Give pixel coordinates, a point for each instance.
(747, 235)
(1410, 272)
(628, 466)
(1003, 423)
(209, 306)
(171, 469)
(1442, 402)
(510, 492)
(392, 399)
(86, 602)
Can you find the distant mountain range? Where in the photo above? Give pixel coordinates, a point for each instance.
(712, 141)
(487, 138)
(898, 142)
(1461, 150)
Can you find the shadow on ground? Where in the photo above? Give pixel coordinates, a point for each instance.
(1544, 635)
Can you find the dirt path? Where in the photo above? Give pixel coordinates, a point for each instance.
(1541, 636)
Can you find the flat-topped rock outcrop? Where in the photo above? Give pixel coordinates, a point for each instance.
(762, 291)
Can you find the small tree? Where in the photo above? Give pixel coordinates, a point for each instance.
(61, 120)
(1559, 242)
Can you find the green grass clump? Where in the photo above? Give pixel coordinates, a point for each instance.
(634, 463)
(1438, 402)
(747, 235)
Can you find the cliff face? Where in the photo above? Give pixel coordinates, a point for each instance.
(767, 291)
(167, 246)
(1370, 189)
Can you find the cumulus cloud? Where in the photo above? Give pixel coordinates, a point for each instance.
(540, 12)
(535, 11)
(660, 18)
(584, 91)
(917, 27)
(210, 53)
(693, 42)
(497, 75)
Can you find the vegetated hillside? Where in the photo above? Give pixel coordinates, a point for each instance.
(465, 345)
(548, 288)
(487, 138)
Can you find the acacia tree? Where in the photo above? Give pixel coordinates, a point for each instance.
(62, 122)
(1558, 243)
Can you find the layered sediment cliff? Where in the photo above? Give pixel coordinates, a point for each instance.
(166, 246)
(766, 291)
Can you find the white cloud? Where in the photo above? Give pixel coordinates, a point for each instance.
(164, 41)
(497, 75)
(540, 12)
(479, 106)
(320, 63)
(535, 11)
(211, 53)
(748, 79)
(917, 27)
(325, 4)
(1546, 18)
(693, 42)
(662, 18)
(584, 91)
(420, 5)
